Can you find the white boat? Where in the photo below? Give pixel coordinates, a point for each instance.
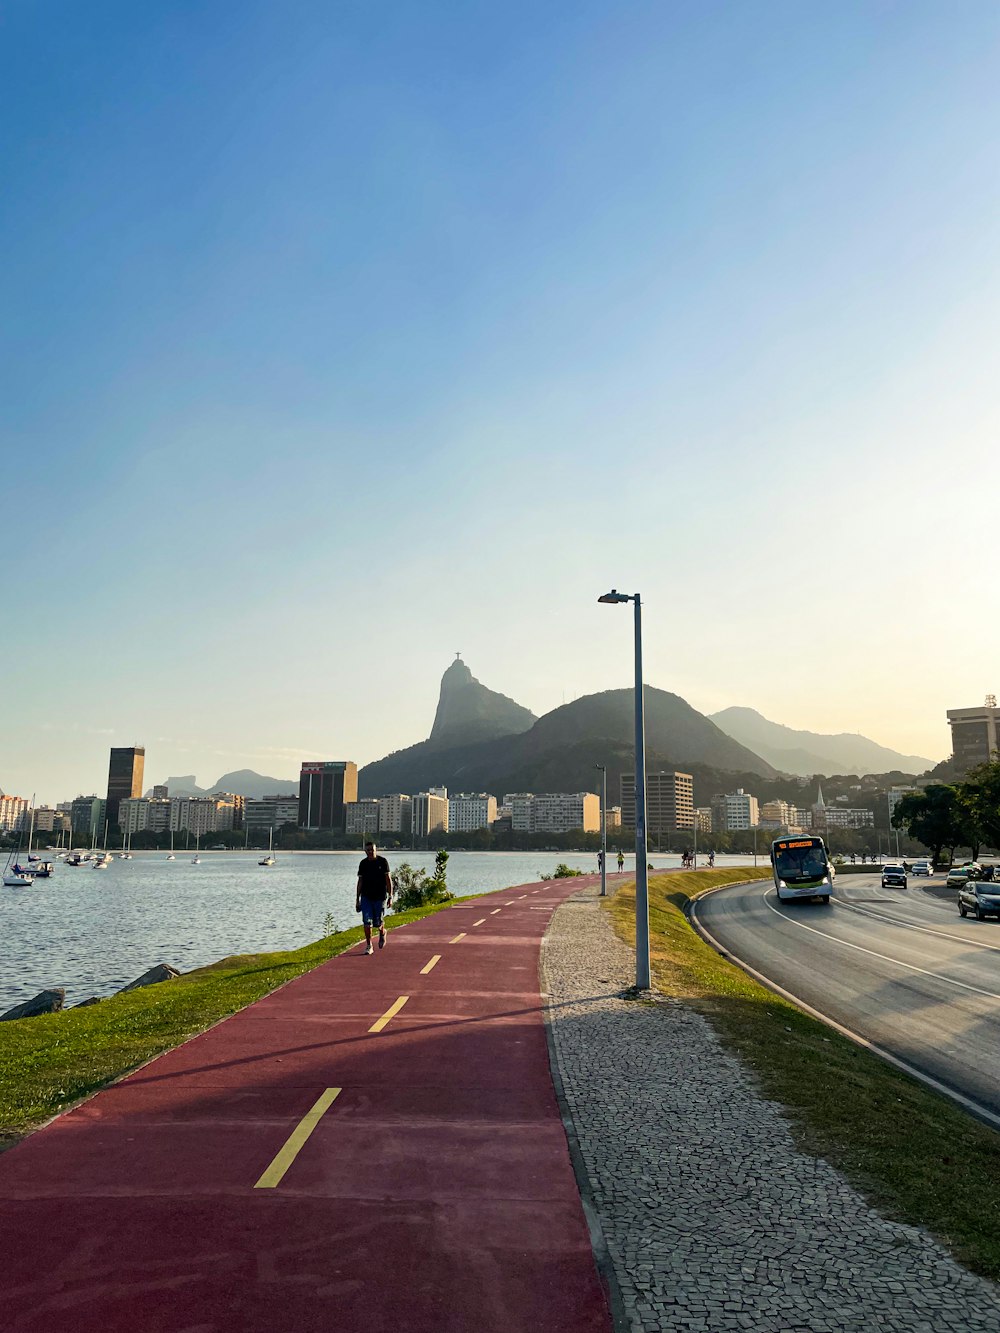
(196, 859)
(13, 881)
(268, 860)
(170, 855)
(103, 862)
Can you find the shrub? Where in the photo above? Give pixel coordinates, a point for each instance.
(415, 888)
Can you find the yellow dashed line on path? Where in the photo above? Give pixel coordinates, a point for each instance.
(457, 938)
(293, 1144)
(494, 912)
(435, 960)
(391, 1012)
(479, 922)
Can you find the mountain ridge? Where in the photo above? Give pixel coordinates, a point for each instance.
(807, 753)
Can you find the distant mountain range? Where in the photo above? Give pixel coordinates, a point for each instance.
(244, 781)
(559, 751)
(808, 752)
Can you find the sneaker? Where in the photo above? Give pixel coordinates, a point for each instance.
(381, 939)
(369, 950)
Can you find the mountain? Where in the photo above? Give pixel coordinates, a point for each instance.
(244, 782)
(467, 711)
(810, 752)
(560, 751)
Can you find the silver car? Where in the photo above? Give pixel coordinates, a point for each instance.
(980, 897)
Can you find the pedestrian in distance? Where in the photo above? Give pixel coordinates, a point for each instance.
(600, 862)
(621, 860)
(374, 895)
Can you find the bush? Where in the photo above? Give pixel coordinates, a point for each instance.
(563, 871)
(415, 888)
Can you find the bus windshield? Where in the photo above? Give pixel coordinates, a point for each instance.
(799, 859)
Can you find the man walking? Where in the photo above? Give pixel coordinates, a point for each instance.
(374, 895)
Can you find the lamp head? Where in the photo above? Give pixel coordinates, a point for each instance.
(615, 596)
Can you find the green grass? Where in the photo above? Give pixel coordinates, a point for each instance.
(48, 1063)
(914, 1154)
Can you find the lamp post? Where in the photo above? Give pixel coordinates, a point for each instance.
(604, 828)
(641, 877)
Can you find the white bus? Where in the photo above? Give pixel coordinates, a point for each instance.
(801, 869)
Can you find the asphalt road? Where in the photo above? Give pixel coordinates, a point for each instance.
(898, 967)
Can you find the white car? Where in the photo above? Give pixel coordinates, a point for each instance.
(921, 868)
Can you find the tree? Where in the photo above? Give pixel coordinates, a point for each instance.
(936, 817)
(980, 794)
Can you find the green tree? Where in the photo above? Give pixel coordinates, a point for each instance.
(980, 794)
(937, 817)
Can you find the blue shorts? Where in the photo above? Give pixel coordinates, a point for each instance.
(372, 911)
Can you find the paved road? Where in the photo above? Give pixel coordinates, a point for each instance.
(376, 1146)
(901, 968)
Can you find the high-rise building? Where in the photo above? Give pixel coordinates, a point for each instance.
(124, 777)
(160, 792)
(13, 813)
(48, 820)
(669, 801)
(325, 787)
(394, 813)
(270, 812)
(735, 811)
(565, 812)
(468, 812)
(361, 817)
(975, 734)
(429, 814)
(87, 815)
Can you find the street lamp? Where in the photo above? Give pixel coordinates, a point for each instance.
(641, 877)
(604, 828)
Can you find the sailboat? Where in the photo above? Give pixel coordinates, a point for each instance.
(196, 859)
(268, 860)
(171, 856)
(15, 878)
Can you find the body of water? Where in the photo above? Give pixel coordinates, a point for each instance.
(93, 931)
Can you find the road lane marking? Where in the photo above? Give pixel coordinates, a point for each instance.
(296, 1140)
(479, 922)
(522, 897)
(457, 938)
(495, 910)
(912, 967)
(912, 925)
(390, 1013)
(511, 903)
(431, 965)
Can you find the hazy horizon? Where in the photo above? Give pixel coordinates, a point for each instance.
(338, 340)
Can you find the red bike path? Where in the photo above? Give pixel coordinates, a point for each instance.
(434, 1192)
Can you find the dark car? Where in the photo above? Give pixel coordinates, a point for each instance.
(893, 876)
(980, 899)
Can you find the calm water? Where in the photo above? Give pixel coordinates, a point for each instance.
(93, 931)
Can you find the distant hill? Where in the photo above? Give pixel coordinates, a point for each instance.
(809, 752)
(467, 711)
(560, 751)
(244, 782)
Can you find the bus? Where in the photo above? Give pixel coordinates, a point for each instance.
(801, 869)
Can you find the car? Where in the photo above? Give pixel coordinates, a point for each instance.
(981, 899)
(921, 868)
(893, 875)
(958, 875)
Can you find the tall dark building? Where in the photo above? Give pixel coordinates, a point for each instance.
(124, 777)
(324, 787)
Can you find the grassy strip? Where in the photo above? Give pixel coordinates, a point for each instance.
(48, 1063)
(913, 1153)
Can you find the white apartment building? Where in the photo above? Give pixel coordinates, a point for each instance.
(362, 817)
(202, 814)
(519, 805)
(838, 817)
(735, 811)
(895, 795)
(430, 814)
(394, 813)
(559, 811)
(264, 813)
(136, 813)
(48, 820)
(468, 812)
(703, 818)
(13, 813)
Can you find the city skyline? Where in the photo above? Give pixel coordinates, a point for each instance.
(336, 342)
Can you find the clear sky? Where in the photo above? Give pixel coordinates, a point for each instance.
(335, 339)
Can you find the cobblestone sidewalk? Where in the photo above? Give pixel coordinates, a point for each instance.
(712, 1220)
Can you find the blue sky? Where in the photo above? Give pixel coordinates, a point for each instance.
(335, 339)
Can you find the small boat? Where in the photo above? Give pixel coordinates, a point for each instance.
(196, 859)
(268, 860)
(171, 856)
(12, 881)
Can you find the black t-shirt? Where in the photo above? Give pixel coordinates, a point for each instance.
(373, 871)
